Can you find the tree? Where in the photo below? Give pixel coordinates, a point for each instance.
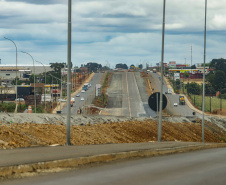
(93, 67)
(219, 80)
(194, 88)
(193, 67)
(19, 82)
(186, 75)
(140, 66)
(207, 64)
(209, 89)
(57, 66)
(105, 68)
(122, 66)
(218, 64)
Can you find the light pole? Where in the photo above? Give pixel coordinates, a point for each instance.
(16, 69)
(61, 86)
(34, 76)
(52, 94)
(204, 68)
(162, 58)
(68, 142)
(44, 86)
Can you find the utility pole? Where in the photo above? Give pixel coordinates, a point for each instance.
(162, 58)
(69, 76)
(204, 67)
(191, 60)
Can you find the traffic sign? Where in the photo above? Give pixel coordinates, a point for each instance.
(154, 101)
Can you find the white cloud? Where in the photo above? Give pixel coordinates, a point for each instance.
(114, 30)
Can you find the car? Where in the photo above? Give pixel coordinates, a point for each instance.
(61, 100)
(83, 91)
(175, 104)
(77, 95)
(82, 99)
(19, 99)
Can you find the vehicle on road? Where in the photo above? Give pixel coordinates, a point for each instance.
(73, 99)
(170, 90)
(175, 104)
(82, 99)
(154, 70)
(61, 100)
(77, 95)
(71, 103)
(83, 91)
(85, 86)
(181, 100)
(19, 99)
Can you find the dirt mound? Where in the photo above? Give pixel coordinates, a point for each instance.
(220, 112)
(31, 134)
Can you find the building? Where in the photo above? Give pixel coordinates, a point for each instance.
(8, 72)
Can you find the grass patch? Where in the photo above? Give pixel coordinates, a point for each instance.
(213, 105)
(102, 100)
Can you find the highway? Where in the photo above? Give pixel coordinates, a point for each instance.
(180, 110)
(200, 167)
(127, 96)
(88, 96)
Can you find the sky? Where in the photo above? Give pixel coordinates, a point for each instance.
(109, 32)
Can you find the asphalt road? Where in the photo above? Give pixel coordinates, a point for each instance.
(180, 110)
(127, 96)
(88, 96)
(201, 167)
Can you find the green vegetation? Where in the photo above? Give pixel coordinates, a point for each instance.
(123, 66)
(7, 107)
(105, 80)
(10, 107)
(215, 102)
(102, 100)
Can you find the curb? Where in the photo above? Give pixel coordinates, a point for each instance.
(17, 170)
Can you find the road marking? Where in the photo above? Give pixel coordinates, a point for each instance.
(128, 94)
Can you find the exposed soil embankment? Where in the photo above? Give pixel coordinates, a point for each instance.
(131, 131)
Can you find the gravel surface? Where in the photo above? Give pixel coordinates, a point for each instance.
(6, 118)
(60, 119)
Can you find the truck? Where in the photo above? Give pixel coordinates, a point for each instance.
(154, 70)
(181, 100)
(85, 86)
(170, 90)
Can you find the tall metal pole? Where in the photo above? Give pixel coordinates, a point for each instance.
(162, 59)
(34, 76)
(52, 94)
(203, 95)
(191, 60)
(69, 76)
(16, 69)
(45, 85)
(60, 91)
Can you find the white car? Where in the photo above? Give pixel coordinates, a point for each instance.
(83, 91)
(77, 95)
(61, 100)
(19, 99)
(82, 99)
(175, 104)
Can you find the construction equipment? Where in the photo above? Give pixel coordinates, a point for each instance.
(181, 100)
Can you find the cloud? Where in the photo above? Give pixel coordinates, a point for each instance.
(117, 31)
